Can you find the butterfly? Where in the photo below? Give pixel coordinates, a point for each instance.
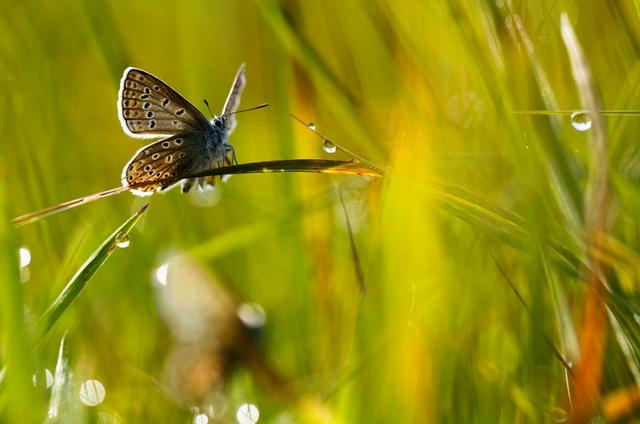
(190, 143)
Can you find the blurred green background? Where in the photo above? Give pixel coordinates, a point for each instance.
(473, 248)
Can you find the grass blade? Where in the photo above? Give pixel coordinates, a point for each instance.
(293, 165)
(343, 149)
(19, 405)
(62, 406)
(593, 333)
(83, 275)
(620, 112)
(355, 257)
(32, 217)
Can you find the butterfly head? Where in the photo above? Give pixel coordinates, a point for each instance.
(219, 122)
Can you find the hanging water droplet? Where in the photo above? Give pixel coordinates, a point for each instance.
(581, 121)
(311, 126)
(328, 146)
(122, 241)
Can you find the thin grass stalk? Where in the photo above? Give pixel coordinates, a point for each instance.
(587, 378)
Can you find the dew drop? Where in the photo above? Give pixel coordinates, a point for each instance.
(92, 393)
(200, 419)
(25, 256)
(252, 315)
(328, 146)
(161, 274)
(122, 241)
(43, 379)
(311, 126)
(247, 413)
(581, 121)
(559, 414)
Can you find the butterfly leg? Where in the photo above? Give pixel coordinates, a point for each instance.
(228, 148)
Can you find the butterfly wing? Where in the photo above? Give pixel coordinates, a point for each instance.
(171, 157)
(233, 100)
(148, 107)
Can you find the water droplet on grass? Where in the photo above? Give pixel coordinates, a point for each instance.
(43, 378)
(200, 419)
(247, 414)
(252, 315)
(581, 121)
(122, 241)
(25, 256)
(559, 414)
(328, 146)
(92, 393)
(161, 274)
(311, 126)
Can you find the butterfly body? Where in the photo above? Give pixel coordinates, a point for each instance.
(148, 107)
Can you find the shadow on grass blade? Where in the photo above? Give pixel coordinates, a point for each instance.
(83, 275)
(293, 165)
(355, 257)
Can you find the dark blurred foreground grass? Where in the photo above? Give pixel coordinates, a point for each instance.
(500, 254)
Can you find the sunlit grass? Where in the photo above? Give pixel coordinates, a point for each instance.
(485, 181)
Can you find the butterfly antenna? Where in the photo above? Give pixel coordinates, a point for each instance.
(208, 107)
(248, 109)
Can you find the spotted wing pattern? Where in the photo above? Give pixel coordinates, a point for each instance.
(233, 100)
(170, 157)
(148, 107)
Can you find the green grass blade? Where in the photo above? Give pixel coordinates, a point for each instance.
(18, 405)
(594, 328)
(63, 408)
(321, 166)
(83, 275)
(296, 44)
